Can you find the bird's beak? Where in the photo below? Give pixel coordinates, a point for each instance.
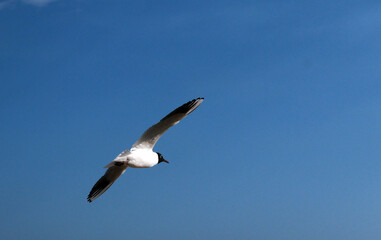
(165, 161)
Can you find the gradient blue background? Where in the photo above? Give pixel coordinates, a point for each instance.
(285, 146)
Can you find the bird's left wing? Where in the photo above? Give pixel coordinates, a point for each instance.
(150, 137)
(105, 181)
(120, 159)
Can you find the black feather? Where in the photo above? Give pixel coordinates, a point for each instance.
(182, 109)
(100, 185)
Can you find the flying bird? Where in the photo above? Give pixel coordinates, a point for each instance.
(141, 154)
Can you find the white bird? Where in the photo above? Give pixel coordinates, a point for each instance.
(141, 154)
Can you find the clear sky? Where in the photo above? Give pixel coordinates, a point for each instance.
(286, 144)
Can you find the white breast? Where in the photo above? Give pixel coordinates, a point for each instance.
(142, 158)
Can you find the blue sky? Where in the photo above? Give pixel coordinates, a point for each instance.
(286, 144)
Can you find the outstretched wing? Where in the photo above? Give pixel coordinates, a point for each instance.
(106, 181)
(150, 137)
(119, 160)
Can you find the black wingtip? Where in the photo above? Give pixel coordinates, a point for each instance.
(186, 108)
(194, 100)
(99, 188)
(89, 198)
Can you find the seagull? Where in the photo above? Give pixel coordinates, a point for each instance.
(141, 154)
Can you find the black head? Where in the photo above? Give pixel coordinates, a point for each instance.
(161, 159)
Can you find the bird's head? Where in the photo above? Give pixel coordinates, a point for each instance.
(161, 159)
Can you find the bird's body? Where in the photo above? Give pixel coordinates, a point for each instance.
(142, 158)
(141, 154)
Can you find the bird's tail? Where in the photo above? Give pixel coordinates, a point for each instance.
(105, 182)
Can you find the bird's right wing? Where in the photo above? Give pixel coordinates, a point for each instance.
(106, 181)
(150, 137)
